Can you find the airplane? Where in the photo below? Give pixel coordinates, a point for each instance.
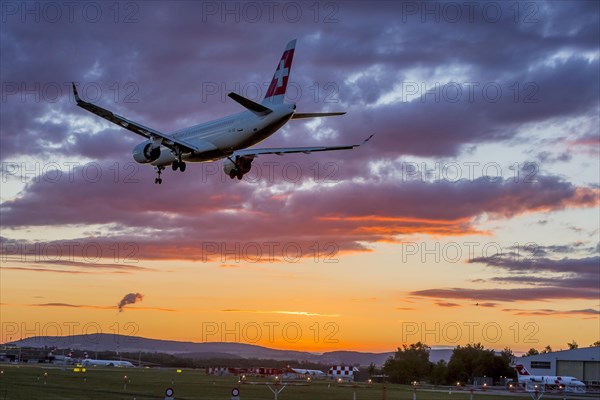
(568, 383)
(106, 363)
(227, 138)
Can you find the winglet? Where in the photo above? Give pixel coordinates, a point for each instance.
(367, 139)
(77, 98)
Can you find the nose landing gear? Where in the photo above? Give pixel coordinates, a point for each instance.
(158, 179)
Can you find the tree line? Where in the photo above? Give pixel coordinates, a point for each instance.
(411, 363)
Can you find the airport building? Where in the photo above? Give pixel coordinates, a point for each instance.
(583, 364)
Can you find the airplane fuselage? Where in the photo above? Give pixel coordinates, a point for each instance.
(221, 137)
(551, 380)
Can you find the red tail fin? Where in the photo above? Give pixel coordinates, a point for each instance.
(276, 91)
(521, 370)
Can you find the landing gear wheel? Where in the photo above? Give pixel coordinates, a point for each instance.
(232, 173)
(158, 179)
(240, 175)
(182, 166)
(175, 165)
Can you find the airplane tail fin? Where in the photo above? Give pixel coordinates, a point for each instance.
(276, 92)
(521, 370)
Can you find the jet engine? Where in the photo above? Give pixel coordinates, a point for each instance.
(239, 167)
(144, 153)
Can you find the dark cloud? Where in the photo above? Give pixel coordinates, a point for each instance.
(541, 278)
(130, 298)
(487, 305)
(446, 304)
(95, 265)
(548, 157)
(545, 312)
(202, 223)
(164, 78)
(67, 305)
(29, 269)
(527, 264)
(92, 307)
(510, 295)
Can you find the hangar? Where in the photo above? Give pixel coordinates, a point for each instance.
(583, 364)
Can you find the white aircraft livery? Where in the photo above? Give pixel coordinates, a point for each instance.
(568, 383)
(106, 363)
(227, 138)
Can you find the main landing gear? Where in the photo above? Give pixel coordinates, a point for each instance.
(178, 165)
(234, 173)
(158, 179)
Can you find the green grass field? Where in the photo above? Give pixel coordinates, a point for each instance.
(27, 383)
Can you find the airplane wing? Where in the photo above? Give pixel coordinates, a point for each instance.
(316, 115)
(157, 137)
(289, 150)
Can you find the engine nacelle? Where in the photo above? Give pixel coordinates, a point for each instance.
(239, 168)
(144, 153)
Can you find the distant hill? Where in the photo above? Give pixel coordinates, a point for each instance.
(354, 357)
(207, 350)
(436, 355)
(206, 355)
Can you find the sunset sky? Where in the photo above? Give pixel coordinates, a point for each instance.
(471, 216)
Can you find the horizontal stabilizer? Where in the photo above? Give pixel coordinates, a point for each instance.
(256, 108)
(316, 115)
